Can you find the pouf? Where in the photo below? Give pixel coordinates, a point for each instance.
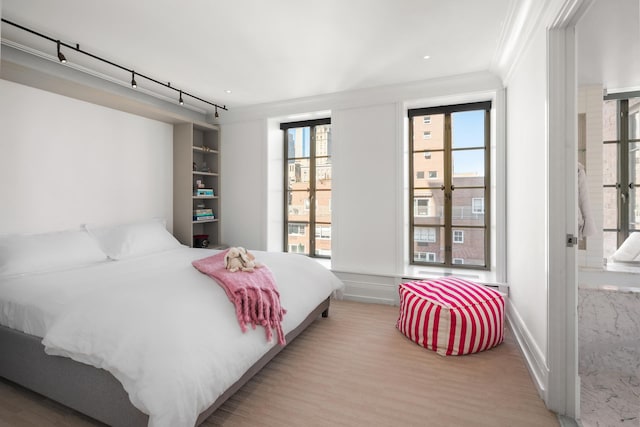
(451, 316)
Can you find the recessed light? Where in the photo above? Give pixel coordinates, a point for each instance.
(228, 91)
(426, 57)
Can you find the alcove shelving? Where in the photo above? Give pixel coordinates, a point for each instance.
(196, 182)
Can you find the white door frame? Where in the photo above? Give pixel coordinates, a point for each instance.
(563, 391)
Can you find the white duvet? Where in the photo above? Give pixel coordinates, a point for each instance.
(167, 332)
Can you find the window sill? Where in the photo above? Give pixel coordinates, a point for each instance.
(424, 272)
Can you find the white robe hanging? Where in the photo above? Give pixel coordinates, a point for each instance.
(586, 225)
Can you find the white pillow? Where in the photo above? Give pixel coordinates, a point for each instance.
(33, 253)
(134, 239)
(629, 249)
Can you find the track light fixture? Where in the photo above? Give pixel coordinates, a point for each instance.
(216, 115)
(76, 48)
(61, 57)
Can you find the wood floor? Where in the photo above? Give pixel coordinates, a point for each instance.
(353, 369)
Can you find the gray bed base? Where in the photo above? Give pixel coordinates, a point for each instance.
(93, 391)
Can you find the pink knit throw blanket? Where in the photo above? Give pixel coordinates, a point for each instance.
(254, 294)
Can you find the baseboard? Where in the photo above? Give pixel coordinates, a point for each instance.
(369, 288)
(533, 357)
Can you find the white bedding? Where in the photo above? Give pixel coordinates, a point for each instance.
(166, 331)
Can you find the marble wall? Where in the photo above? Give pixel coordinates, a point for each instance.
(609, 356)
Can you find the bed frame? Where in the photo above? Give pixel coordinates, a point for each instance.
(93, 391)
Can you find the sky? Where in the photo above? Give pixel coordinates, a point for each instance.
(468, 131)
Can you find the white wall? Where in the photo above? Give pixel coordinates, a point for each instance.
(366, 192)
(527, 226)
(243, 178)
(369, 203)
(65, 162)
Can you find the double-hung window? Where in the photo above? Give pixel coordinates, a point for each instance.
(307, 195)
(449, 216)
(621, 170)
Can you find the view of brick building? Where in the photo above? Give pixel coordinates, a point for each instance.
(300, 188)
(467, 198)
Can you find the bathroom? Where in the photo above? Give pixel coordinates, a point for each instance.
(608, 104)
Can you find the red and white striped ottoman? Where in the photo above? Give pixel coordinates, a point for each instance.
(451, 315)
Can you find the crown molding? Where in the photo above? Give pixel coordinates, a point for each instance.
(438, 88)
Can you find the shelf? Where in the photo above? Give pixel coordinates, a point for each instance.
(205, 222)
(205, 173)
(195, 144)
(203, 151)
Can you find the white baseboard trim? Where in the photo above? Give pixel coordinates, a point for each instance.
(367, 299)
(533, 357)
(369, 288)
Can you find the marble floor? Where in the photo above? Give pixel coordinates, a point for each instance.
(609, 364)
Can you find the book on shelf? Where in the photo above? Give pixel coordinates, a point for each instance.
(202, 212)
(206, 192)
(204, 217)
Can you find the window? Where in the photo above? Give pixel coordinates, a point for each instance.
(455, 230)
(426, 134)
(297, 249)
(425, 234)
(426, 120)
(307, 210)
(477, 205)
(421, 206)
(426, 256)
(621, 171)
(297, 229)
(323, 232)
(420, 174)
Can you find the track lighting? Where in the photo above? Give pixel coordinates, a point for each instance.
(216, 115)
(134, 84)
(60, 55)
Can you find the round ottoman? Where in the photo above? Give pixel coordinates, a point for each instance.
(451, 316)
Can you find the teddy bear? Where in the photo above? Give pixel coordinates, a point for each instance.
(239, 259)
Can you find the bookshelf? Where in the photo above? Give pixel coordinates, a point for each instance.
(196, 166)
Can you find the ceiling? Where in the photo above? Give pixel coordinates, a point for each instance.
(266, 51)
(609, 45)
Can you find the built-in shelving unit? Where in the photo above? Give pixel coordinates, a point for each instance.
(196, 166)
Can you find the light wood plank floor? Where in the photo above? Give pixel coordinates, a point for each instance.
(353, 369)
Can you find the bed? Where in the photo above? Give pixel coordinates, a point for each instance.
(132, 334)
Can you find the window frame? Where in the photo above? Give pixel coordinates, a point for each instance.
(448, 150)
(310, 204)
(623, 184)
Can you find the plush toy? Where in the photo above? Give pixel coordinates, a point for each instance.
(248, 260)
(239, 259)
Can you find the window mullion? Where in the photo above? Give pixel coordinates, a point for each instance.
(411, 196)
(448, 181)
(623, 173)
(312, 192)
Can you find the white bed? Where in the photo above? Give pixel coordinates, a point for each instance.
(165, 331)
